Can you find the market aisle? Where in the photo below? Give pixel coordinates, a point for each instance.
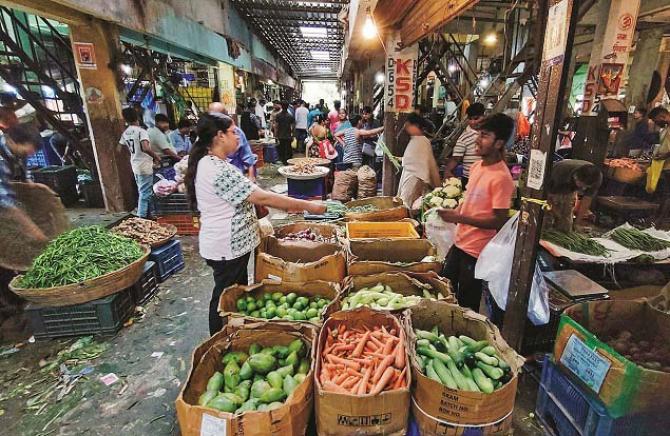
(142, 401)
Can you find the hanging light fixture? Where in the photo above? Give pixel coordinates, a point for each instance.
(491, 39)
(380, 78)
(369, 26)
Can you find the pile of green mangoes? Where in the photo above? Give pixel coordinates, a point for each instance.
(280, 306)
(260, 380)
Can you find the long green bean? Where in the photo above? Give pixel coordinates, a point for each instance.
(78, 255)
(576, 242)
(637, 240)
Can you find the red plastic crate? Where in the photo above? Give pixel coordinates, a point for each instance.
(186, 223)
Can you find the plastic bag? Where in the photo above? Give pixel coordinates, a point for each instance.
(440, 233)
(495, 267)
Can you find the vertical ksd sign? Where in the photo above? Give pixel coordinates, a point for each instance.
(606, 72)
(401, 71)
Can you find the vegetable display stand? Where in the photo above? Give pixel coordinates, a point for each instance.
(62, 179)
(623, 386)
(387, 209)
(85, 291)
(564, 408)
(186, 223)
(381, 230)
(169, 259)
(231, 311)
(387, 255)
(104, 316)
(289, 418)
(312, 189)
(440, 404)
(384, 411)
(147, 286)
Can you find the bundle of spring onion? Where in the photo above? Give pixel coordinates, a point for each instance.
(576, 242)
(637, 240)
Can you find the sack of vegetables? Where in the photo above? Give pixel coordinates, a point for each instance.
(465, 372)
(362, 379)
(81, 265)
(253, 379)
(394, 291)
(288, 301)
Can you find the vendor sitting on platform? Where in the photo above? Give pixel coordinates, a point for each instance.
(571, 178)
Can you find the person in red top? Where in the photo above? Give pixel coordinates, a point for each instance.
(483, 212)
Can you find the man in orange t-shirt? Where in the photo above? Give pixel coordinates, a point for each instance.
(484, 211)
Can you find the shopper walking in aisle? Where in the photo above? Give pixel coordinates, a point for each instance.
(259, 111)
(225, 199)
(370, 142)
(284, 132)
(158, 137)
(312, 116)
(334, 116)
(301, 125)
(464, 152)
(181, 137)
(276, 108)
(420, 173)
(352, 141)
(243, 159)
(249, 123)
(142, 159)
(484, 211)
(343, 121)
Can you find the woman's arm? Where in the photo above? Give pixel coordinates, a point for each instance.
(371, 132)
(293, 205)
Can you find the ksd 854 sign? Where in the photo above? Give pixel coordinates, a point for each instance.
(401, 71)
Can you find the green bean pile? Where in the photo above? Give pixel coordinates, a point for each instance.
(365, 208)
(78, 255)
(635, 239)
(576, 242)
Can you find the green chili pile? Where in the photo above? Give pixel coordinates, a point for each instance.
(637, 240)
(78, 255)
(576, 242)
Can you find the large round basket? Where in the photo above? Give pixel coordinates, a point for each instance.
(85, 291)
(319, 173)
(388, 209)
(628, 175)
(173, 232)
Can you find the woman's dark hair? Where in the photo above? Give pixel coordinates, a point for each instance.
(208, 127)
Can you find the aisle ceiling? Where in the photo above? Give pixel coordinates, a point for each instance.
(306, 33)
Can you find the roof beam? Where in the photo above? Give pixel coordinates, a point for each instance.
(428, 15)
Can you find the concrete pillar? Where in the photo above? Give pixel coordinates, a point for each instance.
(645, 62)
(472, 53)
(104, 114)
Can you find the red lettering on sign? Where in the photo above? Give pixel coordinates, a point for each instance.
(621, 36)
(402, 67)
(593, 70)
(403, 84)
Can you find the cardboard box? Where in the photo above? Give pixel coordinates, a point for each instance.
(661, 300)
(301, 261)
(339, 414)
(635, 293)
(228, 301)
(389, 209)
(624, 387)
(406, 283)
(431, 426)
(437, 401)
(387, 255)
(290, 419)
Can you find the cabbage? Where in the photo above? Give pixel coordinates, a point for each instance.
(450, 203)
(452, 191)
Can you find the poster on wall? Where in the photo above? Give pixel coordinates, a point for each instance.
(227, 87)
(401, 71)
(556, 36)
(84, 53)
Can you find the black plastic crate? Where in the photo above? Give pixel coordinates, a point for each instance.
(62, 179)
(147, 286)
(169, 259)
(92, 193)
(98, 317)
(176, 203)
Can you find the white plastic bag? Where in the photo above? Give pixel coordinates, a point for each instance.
(440, 233)
(495, 267)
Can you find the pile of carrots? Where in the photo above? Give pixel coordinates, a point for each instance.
(631, 164)
(363, 361)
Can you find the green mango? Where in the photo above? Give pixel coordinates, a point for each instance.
(274, 379)
(227, 389)
(259, 387)
(285, 370)
(271, 395)
(299, 316)
(312, 313)
(248, 405)
(258, 377)
(280, 351)
(262, 408)
(304, 366)
(267, 350)
(299, 378)
(242, 305)
(215, 382)
(273, 406)
(289, 385)
(290, 298)
(231, 374)
(206, 397)
(293, 359)
(243, 390)
(299, 346)
(223, 404)
(246, 372)
(277, 296)
(254, 349)
(262, 363)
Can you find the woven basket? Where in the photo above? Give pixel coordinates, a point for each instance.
(87, 290)
(627, 175)
(173, 233)
(390, 209)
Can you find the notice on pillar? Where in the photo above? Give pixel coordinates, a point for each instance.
(556, 36)
(401, 71)
(536, 167)
(84, 53)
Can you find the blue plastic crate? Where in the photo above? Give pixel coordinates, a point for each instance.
(270, 153)
(565, 409)
(37, 160)
(307, 189)
(169, 259)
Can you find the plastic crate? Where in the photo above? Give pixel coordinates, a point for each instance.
(186, 223)
(62, 179)
(307, 189)
(169, 259)
(565, 409)
(98, 317)
(147, 286)
(376, 230)
(270, 153)
(92, 193)
(36, 160)
(176, 203)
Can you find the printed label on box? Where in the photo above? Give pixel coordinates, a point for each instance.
(585, 363)
(364, 421)
(213, 426)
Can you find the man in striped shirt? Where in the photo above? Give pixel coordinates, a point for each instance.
(352, 141)
(464, 150)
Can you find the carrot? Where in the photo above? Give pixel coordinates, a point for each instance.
(383, 380)
(353, 365)
(340, 378)
(353, 373)
(393, 332)
(400, 379)
(350, 382)
(382, 367)
(361, 345)
(342, 347)
(376, 341)
(332, 387)
(377, 334)
(387, 347)
(400, 353)
(362, 388)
